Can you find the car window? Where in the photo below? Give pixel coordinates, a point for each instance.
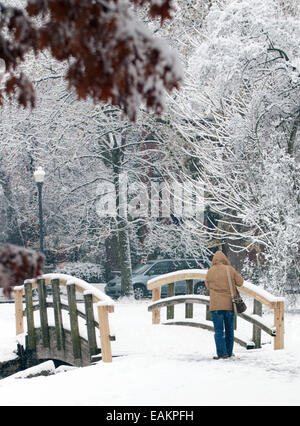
(141, 268)
(191, 264)
(178, 265)
(188, 264)
(195, 264)
(160, 268)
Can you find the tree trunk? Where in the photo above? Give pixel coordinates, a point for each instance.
(122, 232)
(125, 258)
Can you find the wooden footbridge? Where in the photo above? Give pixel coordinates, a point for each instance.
(259, 297)
(58, 328)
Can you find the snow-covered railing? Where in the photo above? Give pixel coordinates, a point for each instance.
(263, 297)
(92, 297)
(260, 297)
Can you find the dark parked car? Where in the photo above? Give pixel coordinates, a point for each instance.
(143, 273)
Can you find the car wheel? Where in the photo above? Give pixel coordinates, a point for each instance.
(139, 292)
(200, 289)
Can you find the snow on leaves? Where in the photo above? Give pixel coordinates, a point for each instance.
(162, 8)
(18, 263)
(112, 57)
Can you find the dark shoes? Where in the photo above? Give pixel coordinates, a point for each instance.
(221, 357)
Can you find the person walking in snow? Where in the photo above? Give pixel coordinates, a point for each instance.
(221, 303)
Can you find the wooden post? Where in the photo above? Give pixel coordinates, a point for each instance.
(279, 324)
(189, 289)
(89, 312)
(74, 321)
(19, 311)
(156, 312)
(256, 335)
(59, 330)
(208, 316)
(170, 293)
(104, 333)
(43, 312)
(30, 317)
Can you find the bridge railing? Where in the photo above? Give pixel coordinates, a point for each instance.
(103, 303)
(260, 297)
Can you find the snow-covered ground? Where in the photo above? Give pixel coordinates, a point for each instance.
(163, 365)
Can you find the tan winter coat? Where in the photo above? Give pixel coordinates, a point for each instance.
(217, 283)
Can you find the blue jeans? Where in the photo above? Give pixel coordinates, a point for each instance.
(223, 320)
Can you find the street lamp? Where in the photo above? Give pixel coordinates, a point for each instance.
(39, 176)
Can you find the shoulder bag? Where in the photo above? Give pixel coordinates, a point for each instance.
(238, 304)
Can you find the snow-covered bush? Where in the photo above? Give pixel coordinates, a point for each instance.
(87, 271)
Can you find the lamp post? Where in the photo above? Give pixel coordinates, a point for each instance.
(39, 176)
